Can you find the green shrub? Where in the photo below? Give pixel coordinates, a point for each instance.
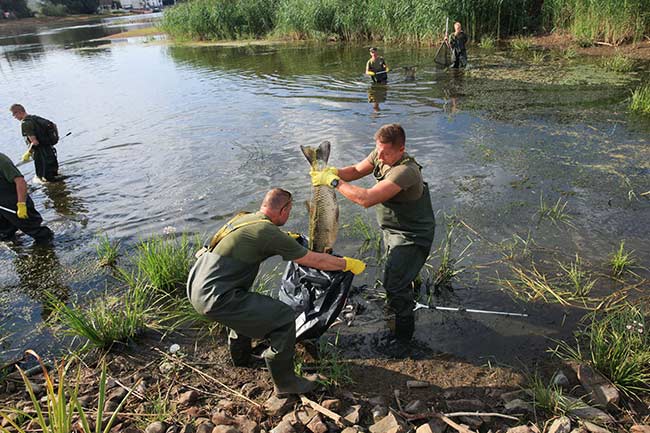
(53, 10)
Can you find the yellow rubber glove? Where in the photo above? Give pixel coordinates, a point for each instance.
(387, 69)
(294, 236)
(22, 210)
(322, 178)
(370, 73)
(354, 265)
(332, 170)
(26, 156)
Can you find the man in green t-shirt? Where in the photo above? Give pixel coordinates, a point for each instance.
(46, 163)
(458, 42)
(377, 68)
(219, 282)
(17, 209)
(404, 213)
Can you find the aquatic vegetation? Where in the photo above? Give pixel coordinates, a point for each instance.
(487, 42)
(569, 53)
(165, 262)
(538, 58)
(621, 260)
(610, 21)
(516, 246)
(108, 251)
(640, 102)
(549, 398)
(521, 43)
(371, 236)
(618, 63)
(578, 278)
(617, 345)
(556, 212)
(107, 320)
(62, 405)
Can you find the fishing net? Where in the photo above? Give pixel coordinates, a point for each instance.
(316, 296)
(443, 55)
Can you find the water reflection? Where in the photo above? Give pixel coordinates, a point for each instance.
(39, 273)
(63, 201)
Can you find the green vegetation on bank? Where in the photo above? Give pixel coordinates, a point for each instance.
(417, 21)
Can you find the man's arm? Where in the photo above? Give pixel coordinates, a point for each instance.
(21, 189)
(357, 171)
(325, 262)
(32, 140)
(381, 192)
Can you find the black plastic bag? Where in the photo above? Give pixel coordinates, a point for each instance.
(316, 296)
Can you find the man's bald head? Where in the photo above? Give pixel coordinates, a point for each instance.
(277, 205)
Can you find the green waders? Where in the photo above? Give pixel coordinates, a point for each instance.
(408, 229)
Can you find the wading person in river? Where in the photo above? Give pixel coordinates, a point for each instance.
(457, 42)
(41, 136)
(405, 216)
(377, 68)
(219, 282)
(17, 210)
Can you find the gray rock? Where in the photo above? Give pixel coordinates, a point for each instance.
(117, 394)
(560, 425)
(316, 425)
(410, 384)
(377, 401)
(640, 428)
(518, 406)
(247, 425)
(415, 406)
(227, 405)
(353, 414)
(221, 418)
(300, 416)
(379, 412)
(206, 427)
(434, 426)
(593, 428)
(388, 424)
(156, 427)
(520, 429)
(188, 398)
(560, 379)
(513, 395)
(283, 427)
(465, 405)
(588, 413)
(473, 422)
(276, 406)
(603, 393)
(225, 429)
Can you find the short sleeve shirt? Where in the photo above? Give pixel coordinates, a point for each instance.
(377, 65)
(28, 127)
(8, 171)
(405, 173)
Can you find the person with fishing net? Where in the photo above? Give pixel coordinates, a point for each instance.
(457, 42)
(377, 68)
(219, 283)
(405, 216)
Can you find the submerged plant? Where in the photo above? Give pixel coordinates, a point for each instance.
(108, 251)
(621, 260)
(640, 102)
(555, 213)
(578, 279)
(617, 345)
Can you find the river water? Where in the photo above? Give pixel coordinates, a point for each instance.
(182, 136)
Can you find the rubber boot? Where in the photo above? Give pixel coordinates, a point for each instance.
(404, 328)
(285, 381)
(240, 348)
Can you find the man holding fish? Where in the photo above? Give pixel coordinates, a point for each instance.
(404, 213)
(219, 285)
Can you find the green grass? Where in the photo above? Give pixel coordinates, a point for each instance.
(554, 212)
(488, 42)
(108, 251)
(330, 366)
(617, 345)
(264, 283)
(549, 398)
(618, 63)
(62, 407)
(640, 101)
(621, 260)
(107, 320)
(370, 236)
(577, 278)
(521, 43)
(164, 262)
(538, 58)
(569, 53)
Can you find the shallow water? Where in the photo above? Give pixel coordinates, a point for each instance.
(181, 136)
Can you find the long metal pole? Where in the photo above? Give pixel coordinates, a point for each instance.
(419, 306)
(8, 210)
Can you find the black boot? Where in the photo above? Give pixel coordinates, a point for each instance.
(404, 328)
(240, 348)
(285, 381)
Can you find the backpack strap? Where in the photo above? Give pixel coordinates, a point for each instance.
(226, 230)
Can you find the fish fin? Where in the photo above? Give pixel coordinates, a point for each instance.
(310, 153)
(323, 151)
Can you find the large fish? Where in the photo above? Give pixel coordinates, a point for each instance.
(323, 209)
